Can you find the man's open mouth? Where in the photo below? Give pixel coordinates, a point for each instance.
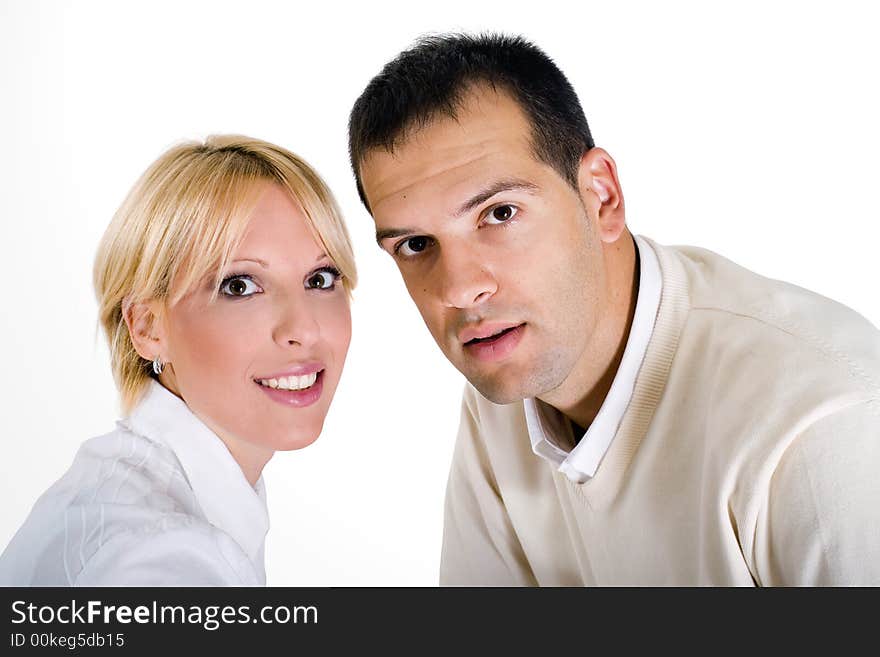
(493, 337)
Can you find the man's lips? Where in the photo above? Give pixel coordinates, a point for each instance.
(497, 346)
(485, 333)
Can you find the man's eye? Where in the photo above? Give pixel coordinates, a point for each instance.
(323, 279)
(500, 214)
(239, 286)
(413, 245)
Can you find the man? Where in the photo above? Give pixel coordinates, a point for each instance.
(636, 414)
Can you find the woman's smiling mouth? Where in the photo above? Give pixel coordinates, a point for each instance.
(290, 382)
(298, 387)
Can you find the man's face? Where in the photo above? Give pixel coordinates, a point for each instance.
(495, 247)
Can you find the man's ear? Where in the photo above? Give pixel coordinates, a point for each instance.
(144, 322)
(600, 190)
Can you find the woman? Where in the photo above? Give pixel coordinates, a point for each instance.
(223, 286)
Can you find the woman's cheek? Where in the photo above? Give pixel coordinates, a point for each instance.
(338, 322)
(215, 336)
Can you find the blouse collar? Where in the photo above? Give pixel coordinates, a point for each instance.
(224, 494)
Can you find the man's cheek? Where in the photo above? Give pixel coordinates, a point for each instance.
(418, 290)
(437, 328)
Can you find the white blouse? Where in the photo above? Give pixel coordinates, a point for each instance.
(160, 501)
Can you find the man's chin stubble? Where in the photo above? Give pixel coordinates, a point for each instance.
(534, 385)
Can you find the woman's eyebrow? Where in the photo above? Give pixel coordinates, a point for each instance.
(262, 263)
(265, 265)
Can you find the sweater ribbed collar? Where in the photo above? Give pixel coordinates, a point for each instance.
(550, 431)
(650, 382)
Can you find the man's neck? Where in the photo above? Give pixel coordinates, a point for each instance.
(584, 391)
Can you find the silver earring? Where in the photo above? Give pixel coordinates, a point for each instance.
(158, 365)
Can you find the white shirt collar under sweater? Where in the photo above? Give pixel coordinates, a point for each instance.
(550, 431)
(220, 487)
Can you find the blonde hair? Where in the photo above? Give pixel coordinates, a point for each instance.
(182, 221)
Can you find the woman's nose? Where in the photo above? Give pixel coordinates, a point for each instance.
(296, 324)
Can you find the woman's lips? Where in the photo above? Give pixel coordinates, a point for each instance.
(495, 347)
(296, 398)
(295, 370)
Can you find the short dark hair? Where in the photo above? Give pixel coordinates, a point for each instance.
(430, 79)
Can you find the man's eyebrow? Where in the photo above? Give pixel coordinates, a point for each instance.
(387, 233)
(505, 185)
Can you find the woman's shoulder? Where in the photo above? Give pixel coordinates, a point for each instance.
(124, 469)
(176, 550)
(120, 487)
(169, 549)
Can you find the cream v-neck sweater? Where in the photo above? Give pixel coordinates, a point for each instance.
(749, 454)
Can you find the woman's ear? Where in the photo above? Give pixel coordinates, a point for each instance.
(600, 191)
(144, 322)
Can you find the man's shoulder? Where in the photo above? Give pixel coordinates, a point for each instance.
(717, 283)
(776, 320)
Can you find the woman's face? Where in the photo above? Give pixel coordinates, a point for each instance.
(260, 364)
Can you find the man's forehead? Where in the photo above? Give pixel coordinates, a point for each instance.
(447, 151)
(407, 178)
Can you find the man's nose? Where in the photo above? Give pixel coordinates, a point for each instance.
(465, 278)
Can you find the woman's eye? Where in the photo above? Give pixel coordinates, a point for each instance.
(413, 245)
(500, 214)
(324, 279)
(239, 286)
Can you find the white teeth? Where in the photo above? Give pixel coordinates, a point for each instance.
(291, 382)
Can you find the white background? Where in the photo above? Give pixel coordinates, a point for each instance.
(751, 130)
